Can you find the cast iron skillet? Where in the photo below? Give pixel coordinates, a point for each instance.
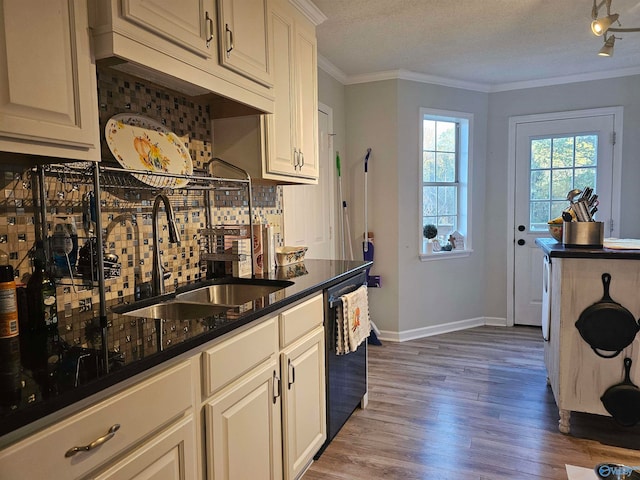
(622, 400)
(606, 325)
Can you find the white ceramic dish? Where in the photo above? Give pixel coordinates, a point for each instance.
(140, 143)
(290, 255)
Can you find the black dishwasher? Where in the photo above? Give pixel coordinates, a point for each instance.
(346, 374)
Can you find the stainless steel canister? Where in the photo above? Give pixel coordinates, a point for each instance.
(583, 234)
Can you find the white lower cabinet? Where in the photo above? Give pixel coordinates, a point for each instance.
(144, 431)
(168, 456)
(259, 393)
(243, 428)
(269, 422)
(303, 402)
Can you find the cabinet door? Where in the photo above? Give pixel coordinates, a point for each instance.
(136, 409)
(186, 23)
(244, 44)
(307, 102)
(48, 94)
(243, 428)
(171, 455)
(280, 127)
(304, 402)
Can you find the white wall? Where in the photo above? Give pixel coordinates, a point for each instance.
(421, 296)
(372, 122)
(449, 290)
(623, 91)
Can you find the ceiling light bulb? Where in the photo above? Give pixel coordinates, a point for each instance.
(601, 25)
(607, 49)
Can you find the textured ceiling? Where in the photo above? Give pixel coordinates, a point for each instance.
(490, 43)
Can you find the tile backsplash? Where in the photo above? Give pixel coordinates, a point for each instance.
(126, 209)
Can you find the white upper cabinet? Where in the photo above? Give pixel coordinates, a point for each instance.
(188, 24)
(48, 94)
(177, 44)
(307, 102)
(283, 146)
(292, 130)
(244, 38)
(280, 127)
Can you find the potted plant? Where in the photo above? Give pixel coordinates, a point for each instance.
(430, 231)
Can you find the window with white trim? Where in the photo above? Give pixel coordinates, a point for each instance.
(444, 183)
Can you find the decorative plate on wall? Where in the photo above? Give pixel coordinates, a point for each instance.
(141, 143)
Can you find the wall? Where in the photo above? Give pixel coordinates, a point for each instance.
(331, 93)
(449, 290)
(372, 122)
(420, 297)
(623, 91)
(384, 116)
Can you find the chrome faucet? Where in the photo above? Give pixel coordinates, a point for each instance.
(157, 277)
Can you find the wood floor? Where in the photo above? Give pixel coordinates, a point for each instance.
(472, 404)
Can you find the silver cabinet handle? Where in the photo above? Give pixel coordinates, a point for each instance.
(296, 156)
(209, 26)
(301, 159)
(96, 443)
(276, 390)
(229, 39)
(292, 374)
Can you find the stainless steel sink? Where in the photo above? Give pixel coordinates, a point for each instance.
(205, 301)
(231, 293)
(176, 310)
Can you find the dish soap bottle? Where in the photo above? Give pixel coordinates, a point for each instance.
(44, 340)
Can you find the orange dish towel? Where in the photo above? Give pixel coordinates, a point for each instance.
(353, 325)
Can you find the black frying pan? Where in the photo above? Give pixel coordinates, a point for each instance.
(606, 325)
(622, 400)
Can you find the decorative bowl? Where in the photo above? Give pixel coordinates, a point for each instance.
(555, 229)
(289, 255)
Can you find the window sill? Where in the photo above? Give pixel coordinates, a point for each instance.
(424, 257)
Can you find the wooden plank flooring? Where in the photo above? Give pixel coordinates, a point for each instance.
(472, 404)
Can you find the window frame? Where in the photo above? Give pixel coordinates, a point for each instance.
(464, 134)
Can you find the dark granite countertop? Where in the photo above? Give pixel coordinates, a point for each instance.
(136, 344)
(557, 249)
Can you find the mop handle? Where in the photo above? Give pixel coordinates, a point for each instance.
(366, 169)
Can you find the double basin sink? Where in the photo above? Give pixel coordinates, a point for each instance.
(204, 301)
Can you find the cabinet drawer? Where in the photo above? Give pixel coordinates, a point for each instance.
(139, 410)
(232, 358)
(301, 319)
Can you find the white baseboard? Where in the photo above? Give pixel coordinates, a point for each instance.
(439, 329)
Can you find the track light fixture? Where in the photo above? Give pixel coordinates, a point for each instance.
(601, 26)
(607, 49)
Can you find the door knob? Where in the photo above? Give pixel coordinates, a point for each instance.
(521, 228)
(521, 242)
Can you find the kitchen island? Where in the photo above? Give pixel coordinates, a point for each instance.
(147, 350)
(573, 281)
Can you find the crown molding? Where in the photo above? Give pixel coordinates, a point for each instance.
(581, 77)
(310, 11)
(329, 68)
(421, 78)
